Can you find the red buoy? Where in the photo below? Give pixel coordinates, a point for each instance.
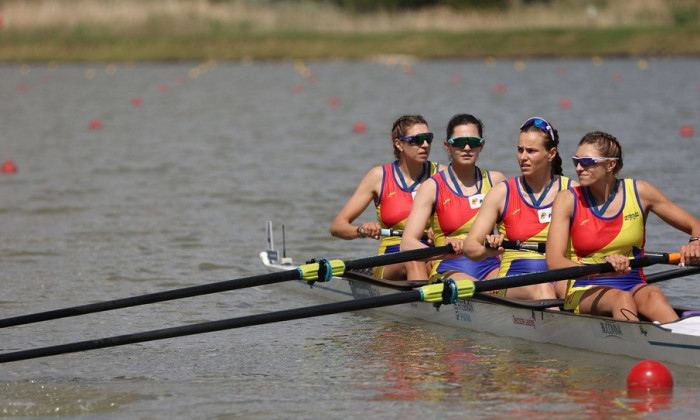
(649, 375)
(8, 167)
(501, 88)
(137, 101)
(95, 124)
(565, 103)
(298, 88)
(333, 102)
(359, 127)
(687, 131)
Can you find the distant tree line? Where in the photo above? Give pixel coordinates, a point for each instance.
(375, 5)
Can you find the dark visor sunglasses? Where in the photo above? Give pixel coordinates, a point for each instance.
(462, 142)
(418, 139)
(540, 123)
(587, 162)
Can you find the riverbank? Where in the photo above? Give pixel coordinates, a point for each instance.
(171, 30)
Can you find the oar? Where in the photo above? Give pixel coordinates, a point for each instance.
(317, 271)
(446, 293)
(399, 233)
(672, 274)
(521, 246)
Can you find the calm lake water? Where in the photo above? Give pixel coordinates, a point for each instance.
(176, 192)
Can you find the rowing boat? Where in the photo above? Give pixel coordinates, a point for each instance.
(538, 321)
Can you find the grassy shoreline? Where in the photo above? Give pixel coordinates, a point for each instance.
(99, 45)
(190, 30)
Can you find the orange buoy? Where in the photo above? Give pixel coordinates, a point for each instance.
(649, 375)
(95, 124)
(687, 131)
(8, 167)
(359, 127)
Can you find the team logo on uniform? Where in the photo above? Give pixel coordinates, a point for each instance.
(545, 215)
(476, 200)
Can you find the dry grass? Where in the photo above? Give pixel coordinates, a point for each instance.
(194, 16)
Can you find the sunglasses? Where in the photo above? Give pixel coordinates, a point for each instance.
(540, 123)
(461, 142)
(418, 139)
(587, 162)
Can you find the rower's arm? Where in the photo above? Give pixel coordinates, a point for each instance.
(418, 218)
(559, 232)
(366, 192)
(490, 211)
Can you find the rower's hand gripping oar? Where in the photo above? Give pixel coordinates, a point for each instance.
(540, 247)
(448, 292)
(322, 270)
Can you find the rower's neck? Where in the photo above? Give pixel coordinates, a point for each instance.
(602, 191)
(465, 174)
(412, 169)
(538, 182)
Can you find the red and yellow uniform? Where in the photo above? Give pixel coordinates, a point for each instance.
(452, 217)
(394, 206)
(593, 237)
(525, 222)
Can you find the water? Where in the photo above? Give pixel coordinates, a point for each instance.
(176, 193)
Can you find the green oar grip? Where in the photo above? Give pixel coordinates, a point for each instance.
(310, 272)
(434, 292)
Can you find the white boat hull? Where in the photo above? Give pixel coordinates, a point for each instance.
(677, 342)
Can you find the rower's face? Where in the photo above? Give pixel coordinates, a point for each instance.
(466, 154)
(533, 157)
(410, 150)
(590, 174)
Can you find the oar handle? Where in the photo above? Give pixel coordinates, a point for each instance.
(399, 233)
(398, 257)
(540, 247)
(562, 274)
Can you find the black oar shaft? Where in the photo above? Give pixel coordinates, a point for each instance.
(223, 286)
(164, 296)
(226, 324)
(559, 274)
(398, 257)
(672, 274)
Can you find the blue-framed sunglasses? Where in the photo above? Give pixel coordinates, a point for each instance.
(540, 123)
(587, 162)
(418, 139)
(462, 142)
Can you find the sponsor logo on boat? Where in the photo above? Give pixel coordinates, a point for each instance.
(632, 216)
(610, 329)
(463, 308)
(528, 322)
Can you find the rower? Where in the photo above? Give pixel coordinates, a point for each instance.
(391, 187)
(604, 218)
(450, 201)
(521, 208)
